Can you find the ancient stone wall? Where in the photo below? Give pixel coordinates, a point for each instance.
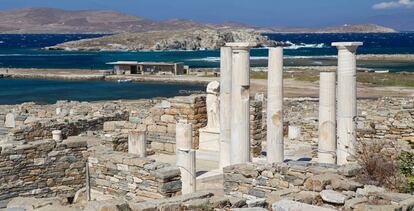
(257, 131)
(127, 176)
(42, 168)
(329, 186)
(161, 119)
(378, 119)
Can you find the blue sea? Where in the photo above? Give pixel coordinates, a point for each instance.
(25, 51)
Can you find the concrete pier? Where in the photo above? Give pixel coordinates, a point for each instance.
(225, 106)
(137, 143)
(57, 135)
(240, 103)
(186, 157)
(275, 143)
(347, 106)
(327, 118)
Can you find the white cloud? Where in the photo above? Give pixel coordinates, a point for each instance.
(394, 4)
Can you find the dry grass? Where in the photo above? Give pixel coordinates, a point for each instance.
(380, 165)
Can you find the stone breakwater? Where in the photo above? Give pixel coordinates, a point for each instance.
(303, 184)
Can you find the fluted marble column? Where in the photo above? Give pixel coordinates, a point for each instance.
(186, 157)
(275, 146)
(225, 105)
(327, 118)
(347, 105)
(137, 143)
(240, 103)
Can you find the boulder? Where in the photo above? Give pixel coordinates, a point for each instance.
(333, 197)
(308, 197)
(345, 184)
(319, 182)
(350, 170)
(369, 190)
(289, 205)
(367, 207)
(351, 203)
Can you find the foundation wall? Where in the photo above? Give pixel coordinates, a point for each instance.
(127, 176)
(42, 169)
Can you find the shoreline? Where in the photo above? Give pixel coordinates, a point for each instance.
(297, 82)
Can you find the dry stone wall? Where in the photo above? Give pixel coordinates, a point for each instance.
(160, 121)
(378, 119)
(42, 168)
(329, 186)
(127, 176)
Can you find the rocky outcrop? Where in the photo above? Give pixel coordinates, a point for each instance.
(168, 40)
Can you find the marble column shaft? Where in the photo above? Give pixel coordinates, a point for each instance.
(327, 118)
(240, 103)
(275, 142)
(186, 157)
(347, 96)
(225, 105)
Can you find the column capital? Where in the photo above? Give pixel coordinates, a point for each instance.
(352, 46)
(241, 45)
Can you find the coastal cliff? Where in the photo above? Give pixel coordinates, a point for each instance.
(201, 39)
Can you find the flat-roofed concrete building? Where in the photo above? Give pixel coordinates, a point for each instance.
(133, 67)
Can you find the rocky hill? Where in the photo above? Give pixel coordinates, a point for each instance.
(168, 40)
(353, 28)
(48, 20)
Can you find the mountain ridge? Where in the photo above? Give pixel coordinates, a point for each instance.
(51, 20)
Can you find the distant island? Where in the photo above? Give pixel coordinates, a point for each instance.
(49, 20)
(185, 39)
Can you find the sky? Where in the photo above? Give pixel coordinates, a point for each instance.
(289, 13)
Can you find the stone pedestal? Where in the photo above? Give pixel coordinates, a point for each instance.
(240, 102)
(10, 121)
(137, 143)
(209, 144)
(347, 96)
(57, 135)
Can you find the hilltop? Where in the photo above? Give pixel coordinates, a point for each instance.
(188, 39)
(49, 20)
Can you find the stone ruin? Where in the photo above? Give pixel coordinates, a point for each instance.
(108, 155)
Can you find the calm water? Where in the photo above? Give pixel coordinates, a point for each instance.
(14, 91)
(311, 49)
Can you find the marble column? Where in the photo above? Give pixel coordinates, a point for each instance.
(347, 105)
(225, 106)
(186, 157)
(240, 103)
(137, 143)
(275, 150)
(57, 135)
(327, 118)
